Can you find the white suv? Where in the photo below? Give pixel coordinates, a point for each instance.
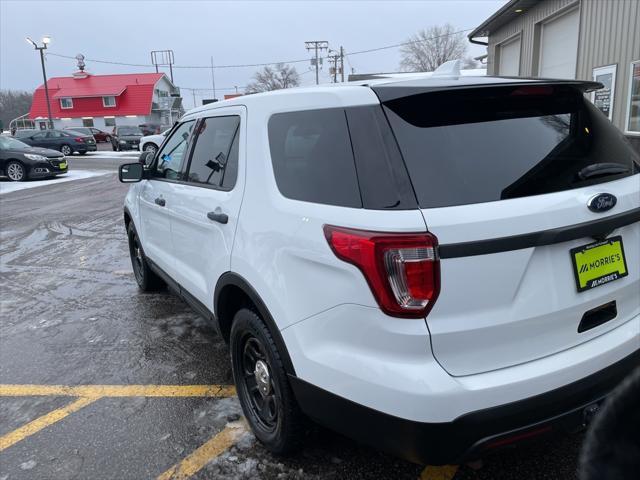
(437, 266)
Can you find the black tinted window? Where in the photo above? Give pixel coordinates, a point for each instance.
(482, 145)
(312, 157)
(214, 161)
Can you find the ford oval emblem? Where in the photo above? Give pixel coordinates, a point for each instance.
(602, 202)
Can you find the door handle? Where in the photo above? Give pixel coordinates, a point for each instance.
(218, 216)
(160, 201)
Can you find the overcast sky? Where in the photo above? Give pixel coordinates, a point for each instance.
(240, 32)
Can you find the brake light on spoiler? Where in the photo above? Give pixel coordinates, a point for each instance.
(402, 269)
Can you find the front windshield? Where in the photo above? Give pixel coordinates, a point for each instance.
(8, 143)
(129, 131)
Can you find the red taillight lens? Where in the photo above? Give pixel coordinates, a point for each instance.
(79, 139)
(402, 269)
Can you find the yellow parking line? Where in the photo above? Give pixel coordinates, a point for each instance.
(445, 472)
(44, 421)
(204, 454)
(118, 390)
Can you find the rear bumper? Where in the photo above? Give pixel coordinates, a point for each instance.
(471, 435)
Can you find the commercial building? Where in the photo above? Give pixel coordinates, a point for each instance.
(578, 39)
(104, 101)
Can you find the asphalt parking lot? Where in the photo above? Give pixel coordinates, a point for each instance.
(100, 381)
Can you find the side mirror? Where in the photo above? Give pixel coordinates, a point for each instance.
(146, 158)
(131, 172)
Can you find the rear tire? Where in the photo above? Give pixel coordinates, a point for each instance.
(261, 382)
(147, 279)
(15, 171)
(66, 150)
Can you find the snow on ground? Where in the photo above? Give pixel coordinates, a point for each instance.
(110, 154)
(7, 186)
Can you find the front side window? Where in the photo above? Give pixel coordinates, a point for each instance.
(312, 157)
(109, 101)
(633, 123)
(169, 160)
(66, 103)
(215, 160)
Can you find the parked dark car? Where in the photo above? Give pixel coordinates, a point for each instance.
(150, 128)
(99, 135)
(65, 142)
(19, 161)
(126, 137)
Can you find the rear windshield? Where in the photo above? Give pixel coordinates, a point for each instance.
(496, 143)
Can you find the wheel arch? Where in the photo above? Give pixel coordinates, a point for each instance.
(233, 292)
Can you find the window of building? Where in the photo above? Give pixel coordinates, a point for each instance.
(109, 121)
(109, 101)
(214, 160)
(87, 122)
(633, 112)
(312, 157)
(66, 103)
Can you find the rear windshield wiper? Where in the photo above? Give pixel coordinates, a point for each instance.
(602, 170)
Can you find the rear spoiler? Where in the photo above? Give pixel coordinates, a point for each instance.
(392, 91)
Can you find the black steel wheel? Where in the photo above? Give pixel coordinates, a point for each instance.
(146, 278)
(262, 385)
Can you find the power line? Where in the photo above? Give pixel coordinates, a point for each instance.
(246, 65)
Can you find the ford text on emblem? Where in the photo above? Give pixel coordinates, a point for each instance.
(602, 202)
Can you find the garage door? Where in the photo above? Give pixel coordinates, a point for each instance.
(559, 46)
(510, 58)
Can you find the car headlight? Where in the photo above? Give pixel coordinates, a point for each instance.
(123, 141)
(38, 158)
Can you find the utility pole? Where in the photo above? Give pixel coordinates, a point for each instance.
(316, 45)
(45, 41)
(194, 97)
(336, 58)
(213, 80)
(341, 64)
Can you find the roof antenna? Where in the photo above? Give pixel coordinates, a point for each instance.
(448, 69)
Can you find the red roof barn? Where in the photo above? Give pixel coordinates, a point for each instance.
(107, 100)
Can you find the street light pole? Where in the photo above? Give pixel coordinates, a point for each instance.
(45, 42)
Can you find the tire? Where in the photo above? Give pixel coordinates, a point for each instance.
(146, 279)
(271, 411)
(107, 138)
(150, 147)
(15, 171)
(66, 150)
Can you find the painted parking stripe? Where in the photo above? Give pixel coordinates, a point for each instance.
(193, 463)
(445, 472)
(218, 391)
(44, 421)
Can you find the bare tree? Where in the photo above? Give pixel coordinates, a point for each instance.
(13, 103)
(274, 78)
(429, 48)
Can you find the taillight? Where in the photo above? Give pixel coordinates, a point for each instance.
(79, 139)
(402, 269)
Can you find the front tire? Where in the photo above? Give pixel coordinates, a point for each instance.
(261, 382)
(146, 278)
(15, 171)
(150, 147)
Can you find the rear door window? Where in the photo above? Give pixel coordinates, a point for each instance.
(312, 157)
(214, 160)
(495, 143)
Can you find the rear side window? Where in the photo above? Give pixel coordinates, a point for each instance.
(312, 157)
(482, 145)
(214, 160)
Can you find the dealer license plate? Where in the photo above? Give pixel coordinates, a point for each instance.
(599, 263)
